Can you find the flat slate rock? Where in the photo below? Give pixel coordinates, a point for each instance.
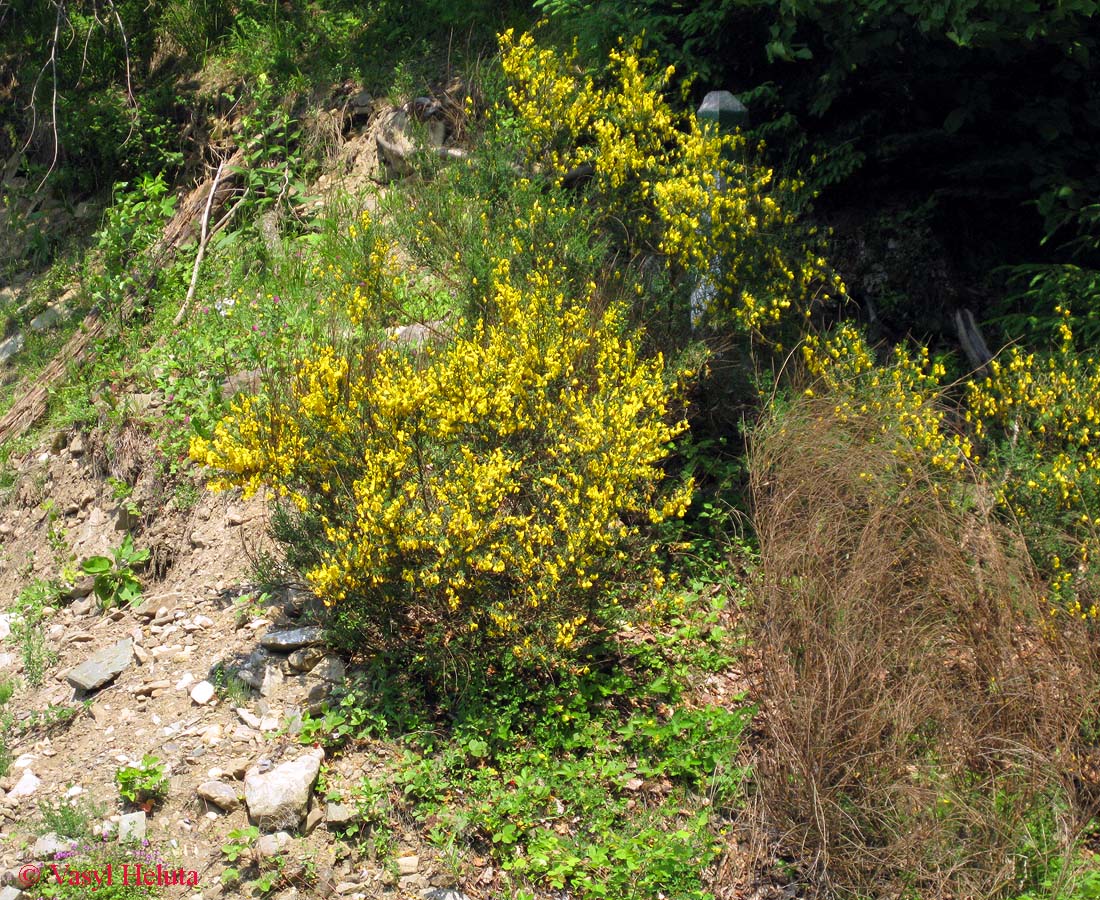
(102, 667)
(292, 639)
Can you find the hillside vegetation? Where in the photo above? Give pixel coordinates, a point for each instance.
(644, 503)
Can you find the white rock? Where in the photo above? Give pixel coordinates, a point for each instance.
(249, 718)
(271, 845)
(220, 794)
(202, 693)
(185, 682)
(25, 786)
(49, 844)
(131, 827)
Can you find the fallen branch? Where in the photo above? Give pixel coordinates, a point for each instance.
(204, 237)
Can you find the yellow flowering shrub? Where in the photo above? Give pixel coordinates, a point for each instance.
(1036, 418)
(1040, 415)
(674, 185)
(482, 487)
(904, 395)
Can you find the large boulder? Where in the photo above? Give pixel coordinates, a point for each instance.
(279, 798)
(396, 146)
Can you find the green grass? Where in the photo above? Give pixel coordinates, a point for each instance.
(28, 633)
(70, 818)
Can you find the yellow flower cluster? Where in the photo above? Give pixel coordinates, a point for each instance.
(1038, 416)
(907, 391)
(1044, 412)
(481, 486)
(693, 193)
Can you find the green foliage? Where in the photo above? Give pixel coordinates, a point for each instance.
(1058, 876)
(372, 799)
(196, 24)
(238, 852)
(27, 630)
(92, 856)
(144, 784)
(27, 234)
(7, 688)
(240, 843)
(696, 39)
(601, 781)
(230, 687)
(70, 818)
(115, 581)
(125, 268)
(53, 715)
(272, 173)
(108, 138)
(364, 41)
(1036, 290)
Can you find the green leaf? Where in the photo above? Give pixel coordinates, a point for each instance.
(96, 565)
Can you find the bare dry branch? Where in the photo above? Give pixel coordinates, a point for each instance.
(201, 252)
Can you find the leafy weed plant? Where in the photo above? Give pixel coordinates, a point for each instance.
(70, 818)
(145, 784)
(115, 583)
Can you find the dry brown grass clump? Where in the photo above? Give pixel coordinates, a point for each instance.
(923, 720)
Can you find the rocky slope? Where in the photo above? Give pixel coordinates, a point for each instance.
(161, 679)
